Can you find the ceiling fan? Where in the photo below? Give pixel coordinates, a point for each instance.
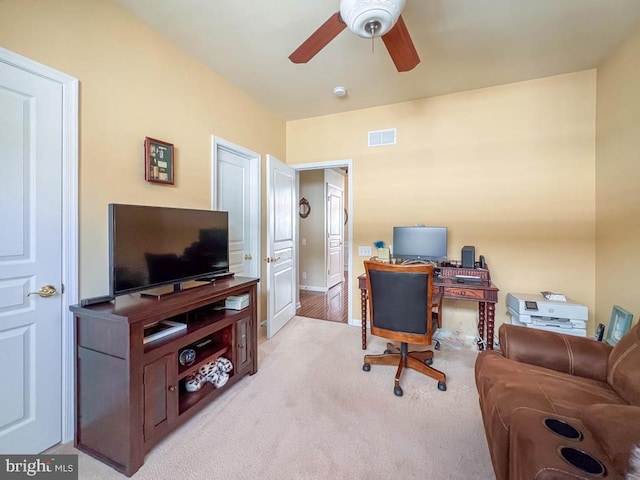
(368, 19)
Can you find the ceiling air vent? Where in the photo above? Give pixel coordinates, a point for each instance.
(378, 138)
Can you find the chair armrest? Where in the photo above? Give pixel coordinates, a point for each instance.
(565, 353)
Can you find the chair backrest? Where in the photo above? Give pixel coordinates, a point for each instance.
(400, 301)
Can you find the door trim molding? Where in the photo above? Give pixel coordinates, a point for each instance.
(336, 164)
(255, 162)
(70, 269)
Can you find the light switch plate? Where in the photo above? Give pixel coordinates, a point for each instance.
(364, 251)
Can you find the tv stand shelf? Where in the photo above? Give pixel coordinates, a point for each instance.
(130, 395)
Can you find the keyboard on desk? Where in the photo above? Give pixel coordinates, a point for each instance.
(467, 279)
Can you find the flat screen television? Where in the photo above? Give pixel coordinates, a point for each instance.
(420, 243)
(154, 246)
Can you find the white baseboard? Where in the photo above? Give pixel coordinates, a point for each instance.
(311, 288)
(355, 322)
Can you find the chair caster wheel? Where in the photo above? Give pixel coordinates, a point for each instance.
(428, 362)
(397, 391)
(437, 345)
(387, 351)
(366, 367)
(442, 386)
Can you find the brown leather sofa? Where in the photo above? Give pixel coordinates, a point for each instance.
(558, 406)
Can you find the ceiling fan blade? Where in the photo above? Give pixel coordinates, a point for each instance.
(318, 39)
(400, 47)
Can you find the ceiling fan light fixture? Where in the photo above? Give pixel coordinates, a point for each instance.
(358, 14)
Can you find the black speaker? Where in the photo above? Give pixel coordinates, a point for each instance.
(468, 257)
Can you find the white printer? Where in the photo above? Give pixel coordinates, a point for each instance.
(536, 311)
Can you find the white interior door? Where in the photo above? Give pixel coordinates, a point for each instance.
(335, 235)
(237, 191)
(31, 247)
(281, 245)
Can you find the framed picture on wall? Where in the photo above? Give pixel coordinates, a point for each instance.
(619, 324)
(158, 161)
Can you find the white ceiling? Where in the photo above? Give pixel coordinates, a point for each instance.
(463, 45)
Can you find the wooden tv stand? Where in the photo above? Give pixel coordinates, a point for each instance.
(130, 395)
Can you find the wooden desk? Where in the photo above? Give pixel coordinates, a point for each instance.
(485, 293)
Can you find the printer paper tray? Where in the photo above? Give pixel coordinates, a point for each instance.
(551, 322)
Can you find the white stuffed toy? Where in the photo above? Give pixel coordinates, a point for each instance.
(209, 372)
(224, 366)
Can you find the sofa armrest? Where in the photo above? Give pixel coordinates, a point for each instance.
(565, 353)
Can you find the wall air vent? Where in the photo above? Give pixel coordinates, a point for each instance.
(378, 138)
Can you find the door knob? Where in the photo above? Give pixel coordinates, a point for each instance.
(45, 291)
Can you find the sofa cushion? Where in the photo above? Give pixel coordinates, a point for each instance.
(623, 373)
(554, 394)
(616, 427)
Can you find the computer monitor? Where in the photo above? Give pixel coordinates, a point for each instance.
(420, 243)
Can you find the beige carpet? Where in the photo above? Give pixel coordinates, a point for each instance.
(311, 412)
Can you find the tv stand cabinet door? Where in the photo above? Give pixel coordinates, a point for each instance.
(243, 344)
(160, 397)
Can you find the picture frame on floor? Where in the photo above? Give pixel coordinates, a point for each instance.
(619, 324)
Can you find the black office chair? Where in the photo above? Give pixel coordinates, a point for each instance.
(401, 309)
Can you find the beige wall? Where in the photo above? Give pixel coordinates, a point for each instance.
(618, 181)
(133, 84)
(509, 169)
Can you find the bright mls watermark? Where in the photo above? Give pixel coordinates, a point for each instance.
(50, 467)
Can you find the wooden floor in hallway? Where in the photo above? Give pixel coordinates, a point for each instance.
(332, 305)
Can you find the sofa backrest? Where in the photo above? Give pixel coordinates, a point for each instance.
(623, 370)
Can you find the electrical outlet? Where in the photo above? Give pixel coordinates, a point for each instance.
(364, 252)
(304, 242)
(304, 275)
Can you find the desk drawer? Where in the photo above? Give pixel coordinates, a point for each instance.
(465, 293)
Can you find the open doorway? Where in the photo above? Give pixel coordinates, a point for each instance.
(324, 240)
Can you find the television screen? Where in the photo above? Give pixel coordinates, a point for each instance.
(153, 246)
(420, 243)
